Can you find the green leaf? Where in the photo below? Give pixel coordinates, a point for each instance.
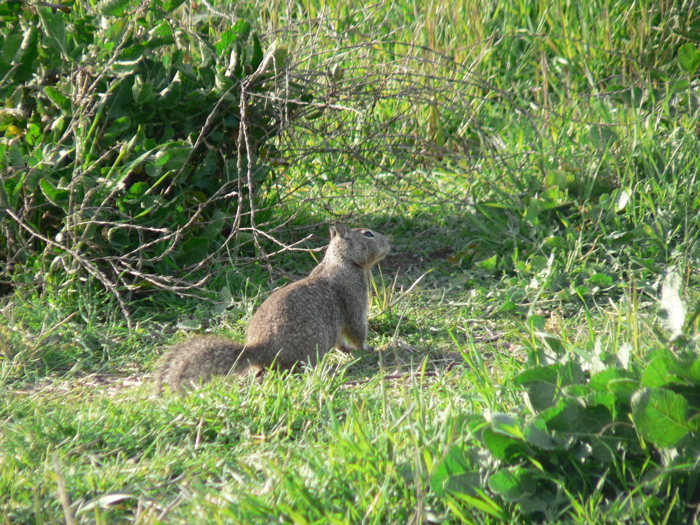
(576, 416)
(536, 433)
(555, 241)
(532, 212)
(547, 374)
(143, 93)
(660, 416)
(571, 374)
(540, 395)
(121, 99)
(170, 5)
(502, 446)
(11, 50)
(6, 192)
(577, 391)
(559, 178)
(513, 485)
(192, 251)
(15, 156)
(616, 380)
(132, 53)
(257, 56)
(61, 101)
(215, 225)
(623, 388)
(160, 35)
(608, 400)
(600, 280)
(204, 176)
(550, 198)
(453, 474)
(137, 190)
(113, 7)
(55, 196)
(169, 97)
(536, 322)
(456, 508)
(488, 264)
(694, 422)
(118, 127)
(542, 383)
(506, 425)
(689, 58)
(171, 157)
(55, 26)
(117, 236)
(659, 370)
(238, 33)
(19, 49)
(689, 370)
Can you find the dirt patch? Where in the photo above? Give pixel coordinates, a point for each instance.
(407, 260)
(109, 384)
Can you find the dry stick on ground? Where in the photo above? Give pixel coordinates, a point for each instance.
(388, 377)
(173, 504)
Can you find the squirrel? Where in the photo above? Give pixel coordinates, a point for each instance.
(297, 324)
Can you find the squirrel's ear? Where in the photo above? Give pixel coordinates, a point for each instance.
(338, 228)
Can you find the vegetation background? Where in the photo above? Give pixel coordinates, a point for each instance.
(166, 164)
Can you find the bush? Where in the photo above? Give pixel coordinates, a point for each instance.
(132, 142)
(595, 427)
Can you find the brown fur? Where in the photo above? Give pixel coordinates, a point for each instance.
(297, 324)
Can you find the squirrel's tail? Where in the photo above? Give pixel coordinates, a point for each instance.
(196, 360)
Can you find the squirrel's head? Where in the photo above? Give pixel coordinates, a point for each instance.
(360, 246)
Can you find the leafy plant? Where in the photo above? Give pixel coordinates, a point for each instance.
(133, 142)
(596, 425)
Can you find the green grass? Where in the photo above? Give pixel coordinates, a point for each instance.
(535, 164)
(225, 441)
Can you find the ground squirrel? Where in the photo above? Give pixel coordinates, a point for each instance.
(297, 324)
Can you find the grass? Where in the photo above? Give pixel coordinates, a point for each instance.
(537, 187)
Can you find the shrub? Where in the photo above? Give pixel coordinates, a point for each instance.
(132, 142)
(597, 427)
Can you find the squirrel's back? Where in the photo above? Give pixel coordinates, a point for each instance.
(298, 323)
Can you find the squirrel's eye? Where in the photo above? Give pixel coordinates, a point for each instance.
(368, 234)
